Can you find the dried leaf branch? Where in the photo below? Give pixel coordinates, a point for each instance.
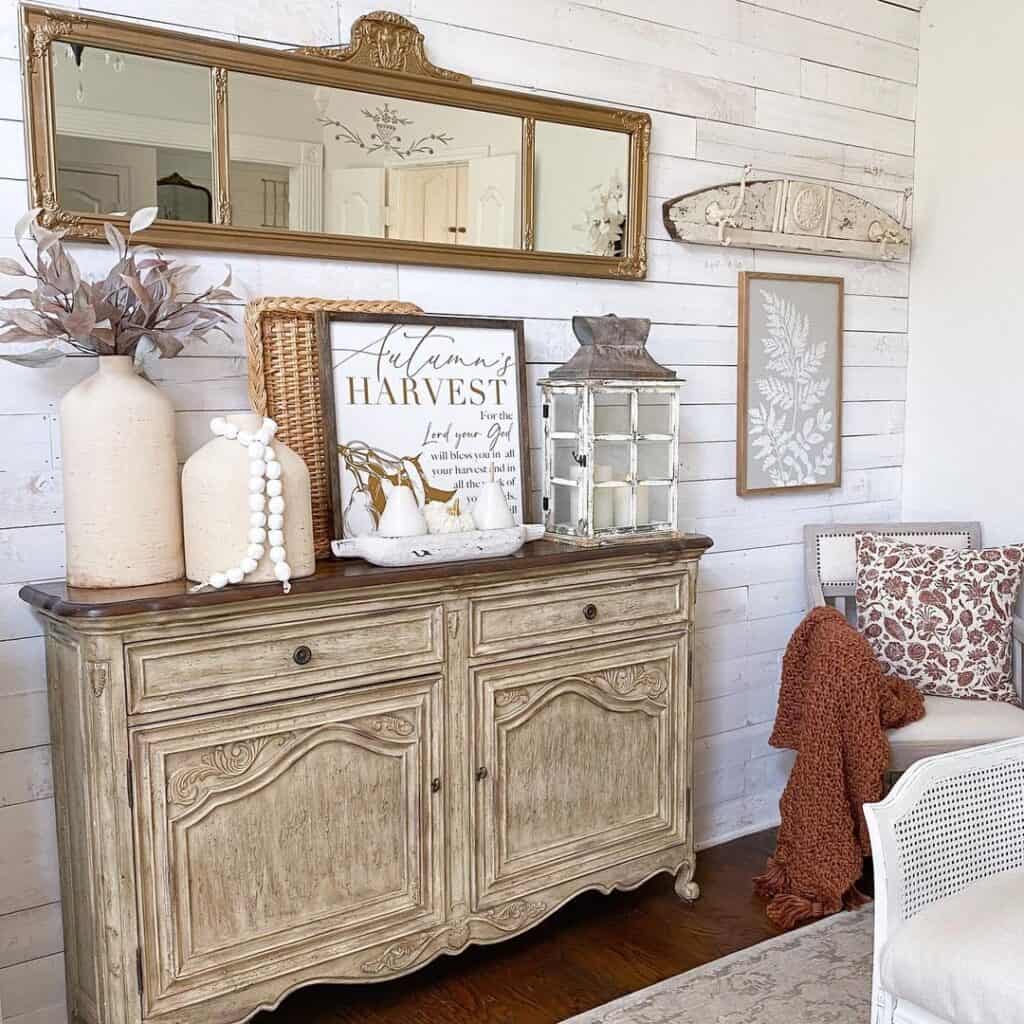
(142, 295)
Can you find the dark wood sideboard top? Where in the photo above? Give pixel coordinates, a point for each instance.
(58, 598)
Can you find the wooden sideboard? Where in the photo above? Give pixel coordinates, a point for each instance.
(256, 792)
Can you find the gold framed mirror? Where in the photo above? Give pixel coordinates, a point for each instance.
(360, 152)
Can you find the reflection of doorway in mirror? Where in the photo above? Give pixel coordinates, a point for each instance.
(427, 204)
(461, 202)
(123, 123)
(259, 194)
(89, 189)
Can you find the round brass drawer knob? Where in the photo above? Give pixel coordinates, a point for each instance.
(590, 612)
(302, 656)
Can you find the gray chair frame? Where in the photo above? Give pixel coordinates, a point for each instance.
(841, 594)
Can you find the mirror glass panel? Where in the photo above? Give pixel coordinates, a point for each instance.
(314, 158)
(132, 131)
(581, 180)
(365, 150)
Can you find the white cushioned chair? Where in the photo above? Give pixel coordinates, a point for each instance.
(948, 844)
(949, 723)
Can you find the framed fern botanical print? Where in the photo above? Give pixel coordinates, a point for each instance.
(790, 383)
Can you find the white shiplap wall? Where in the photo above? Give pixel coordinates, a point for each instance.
(819, 88)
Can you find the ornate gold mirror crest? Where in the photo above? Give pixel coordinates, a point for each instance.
(364, 151)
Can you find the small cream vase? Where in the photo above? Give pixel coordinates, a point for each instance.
(215, 500)
(122, 502)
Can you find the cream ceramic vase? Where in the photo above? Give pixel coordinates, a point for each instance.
(215, 503)
(122, 502)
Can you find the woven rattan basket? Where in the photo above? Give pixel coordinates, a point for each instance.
(284, 383)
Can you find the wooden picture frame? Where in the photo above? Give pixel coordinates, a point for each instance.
(793, 435)
(400, 354)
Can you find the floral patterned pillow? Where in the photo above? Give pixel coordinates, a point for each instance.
(938, 617)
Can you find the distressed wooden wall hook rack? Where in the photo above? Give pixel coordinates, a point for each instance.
(790, 215)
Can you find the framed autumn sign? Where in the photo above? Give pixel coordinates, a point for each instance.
(435, 402)
(790, 383)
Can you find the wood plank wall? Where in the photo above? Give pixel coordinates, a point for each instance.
(819, 88)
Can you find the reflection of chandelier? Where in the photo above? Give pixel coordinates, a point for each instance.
(75, 53)
(386, 135)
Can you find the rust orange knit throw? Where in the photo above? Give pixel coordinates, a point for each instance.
(834, 707)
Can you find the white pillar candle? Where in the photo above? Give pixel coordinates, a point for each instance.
(623, 516)
(643, 504)
(604, 504)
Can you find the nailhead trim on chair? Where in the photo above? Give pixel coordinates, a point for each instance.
(887, 533)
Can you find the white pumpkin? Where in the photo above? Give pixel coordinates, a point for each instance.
(448, 516)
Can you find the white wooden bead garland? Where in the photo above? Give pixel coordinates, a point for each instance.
(266, 506)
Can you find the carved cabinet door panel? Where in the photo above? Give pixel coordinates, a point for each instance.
(578, 764)
(276, 840)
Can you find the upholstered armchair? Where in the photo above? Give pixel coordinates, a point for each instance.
(948, 845)
(949, 723)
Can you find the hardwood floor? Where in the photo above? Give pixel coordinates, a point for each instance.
(594, 949)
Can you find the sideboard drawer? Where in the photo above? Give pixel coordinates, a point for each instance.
(555, 613)
(185, 671)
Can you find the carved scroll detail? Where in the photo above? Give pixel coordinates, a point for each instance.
(635, 265)
(220, 84)
(453, 936)
(53, 217)
(648, 680)
(509, 699)
(384, 41)
(631, 682)
(98, 674)
(383, 724)
(224, 763)
(40, 38)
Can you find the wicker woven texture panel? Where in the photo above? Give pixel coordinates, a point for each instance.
(962, 829)
(284, 384)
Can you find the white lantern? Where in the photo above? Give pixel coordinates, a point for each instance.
(611, 437)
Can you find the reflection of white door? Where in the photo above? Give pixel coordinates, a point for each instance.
(472, 202)
(424, 203)
(356, 203)
(105, 177)
(90, 190)
(491, 201)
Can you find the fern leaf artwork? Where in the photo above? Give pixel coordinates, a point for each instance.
(791, 397)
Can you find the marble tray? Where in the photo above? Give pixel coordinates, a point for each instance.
(437, 547)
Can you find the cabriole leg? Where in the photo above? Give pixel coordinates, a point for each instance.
(686, 888)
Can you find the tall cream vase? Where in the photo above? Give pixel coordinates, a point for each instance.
(122, 496)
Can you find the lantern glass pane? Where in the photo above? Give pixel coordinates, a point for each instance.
(566, 501)
(654, 412)
(654, 460)
(612, 413)
(565, 412)
(563, 458)
(612, 461)
(613, 507)
(652, 505)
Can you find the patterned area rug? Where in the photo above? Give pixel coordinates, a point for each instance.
(820, 974)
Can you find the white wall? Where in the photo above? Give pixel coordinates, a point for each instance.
(967, 369)
(820, 88)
